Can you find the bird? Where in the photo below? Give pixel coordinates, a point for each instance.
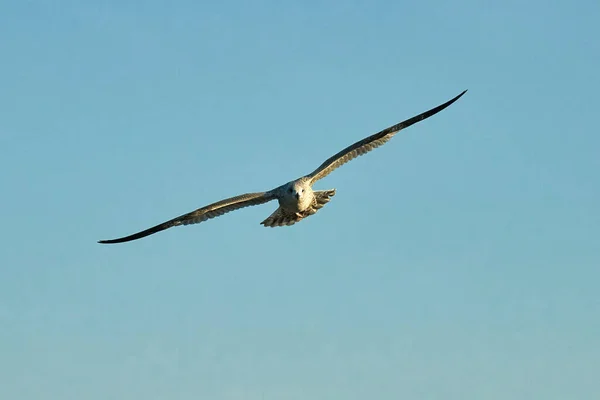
(297, 199)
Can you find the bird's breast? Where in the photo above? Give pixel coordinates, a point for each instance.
(293, 204)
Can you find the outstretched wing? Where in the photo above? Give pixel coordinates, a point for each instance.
(367, 144)
(202, 214)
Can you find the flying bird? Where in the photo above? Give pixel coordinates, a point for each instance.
(297, 200)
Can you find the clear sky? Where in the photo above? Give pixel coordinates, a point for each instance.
(459, 261)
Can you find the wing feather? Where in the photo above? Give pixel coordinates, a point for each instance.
(369, 143)
(202, 214)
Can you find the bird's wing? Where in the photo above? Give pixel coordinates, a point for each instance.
(202, 214)
(369, 143)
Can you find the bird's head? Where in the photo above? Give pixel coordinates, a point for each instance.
(297, 189)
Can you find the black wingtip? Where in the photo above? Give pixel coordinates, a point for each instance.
(457, 97)
(122, 240)
(110, 241)
(417, 118)
(139, 235)
(449, 102)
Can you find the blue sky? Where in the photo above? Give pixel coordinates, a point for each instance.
(459, 261)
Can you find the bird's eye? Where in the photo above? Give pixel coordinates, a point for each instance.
(290, 190)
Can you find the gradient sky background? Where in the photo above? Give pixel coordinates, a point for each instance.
(459, 261)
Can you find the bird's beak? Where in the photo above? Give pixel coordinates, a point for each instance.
(297, 195)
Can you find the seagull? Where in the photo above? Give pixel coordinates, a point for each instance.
(297, 200)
